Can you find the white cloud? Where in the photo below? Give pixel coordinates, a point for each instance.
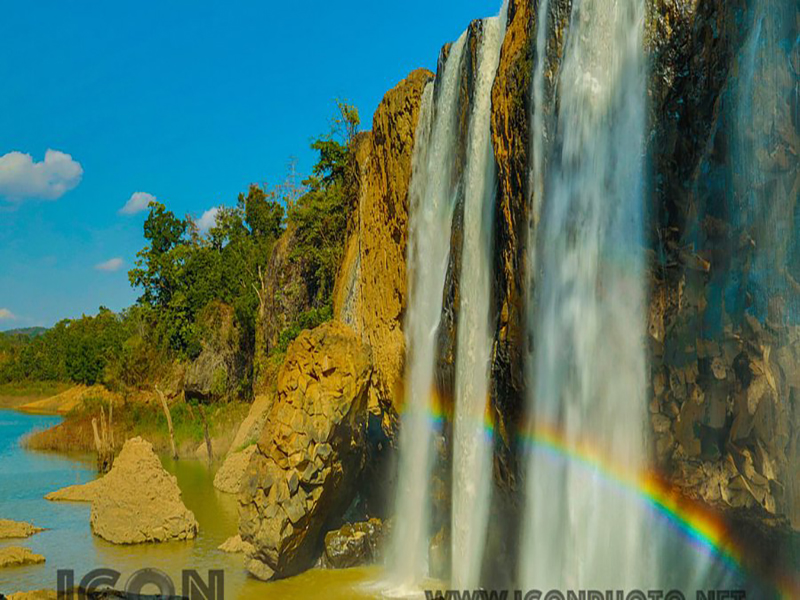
(21, 178)
(208, 220)
(138, 202)
(111, 265)
(7, 315)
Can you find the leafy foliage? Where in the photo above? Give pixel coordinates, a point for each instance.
(323, 213)
(77, 350)
(185, 275)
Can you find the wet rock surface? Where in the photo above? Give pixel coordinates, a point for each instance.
(310, 454)
(354, 545)
(722, 409)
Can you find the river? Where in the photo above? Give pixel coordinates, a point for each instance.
(26, 476)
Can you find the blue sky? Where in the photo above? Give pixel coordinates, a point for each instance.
(187, 101)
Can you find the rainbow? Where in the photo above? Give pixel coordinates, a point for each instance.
(702, 527)
(706, 529)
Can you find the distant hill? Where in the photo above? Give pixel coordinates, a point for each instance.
(29, 332)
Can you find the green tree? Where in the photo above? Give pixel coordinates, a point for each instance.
(322, 214)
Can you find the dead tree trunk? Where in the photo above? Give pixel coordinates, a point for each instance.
(205, 433)
(104, 440)
(165, 406)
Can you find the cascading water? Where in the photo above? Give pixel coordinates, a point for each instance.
(588, 375)
(536, 184)
(472, 447)
(431, 207)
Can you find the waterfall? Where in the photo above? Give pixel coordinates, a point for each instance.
(431, 199)
(588, 372)
(472, 454)
(536, 182)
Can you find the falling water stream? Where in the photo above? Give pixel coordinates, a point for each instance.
(431, 200)
(472, 446)
(587, 379)
(588, 371)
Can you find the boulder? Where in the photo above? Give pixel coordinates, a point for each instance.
(137, 501)
(231, 474)
(236, 545)
(354, 545)
(207, 377)
(15, 529)
(250, 428)
(303, 471)
(16, 556)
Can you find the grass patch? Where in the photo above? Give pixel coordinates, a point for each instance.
(142, 419)
(33, 389)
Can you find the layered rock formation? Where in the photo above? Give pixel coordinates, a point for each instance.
(312, 450)
(136, 502)
(370, 294)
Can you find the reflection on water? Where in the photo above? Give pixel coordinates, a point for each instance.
(26, 476)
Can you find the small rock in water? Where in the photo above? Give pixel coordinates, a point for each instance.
(17, 556)
(354, 545)
(15, 529)
(236, 545)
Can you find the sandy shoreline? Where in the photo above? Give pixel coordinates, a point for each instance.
(17, 402)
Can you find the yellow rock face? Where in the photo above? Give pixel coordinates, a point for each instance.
(370, 295)
(311, 452)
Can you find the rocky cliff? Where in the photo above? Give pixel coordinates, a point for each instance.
(370, 294)
(724, 295)
(724, 355)
(302, 475)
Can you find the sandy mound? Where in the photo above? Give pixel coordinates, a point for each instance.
(137, 501)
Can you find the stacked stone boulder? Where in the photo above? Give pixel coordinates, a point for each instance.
(303, 473)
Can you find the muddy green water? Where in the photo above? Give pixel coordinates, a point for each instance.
(26, 476)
